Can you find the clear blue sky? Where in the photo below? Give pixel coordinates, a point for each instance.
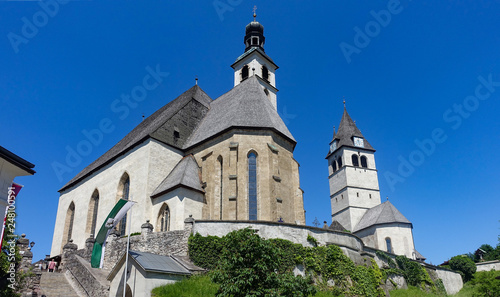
(418, 63)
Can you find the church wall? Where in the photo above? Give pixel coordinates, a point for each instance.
(147, 164)
(181, 202)
(278, 186)
(401, 238)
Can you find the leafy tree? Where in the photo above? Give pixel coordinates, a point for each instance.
(486, 284)
(464, 265)
(249, 267)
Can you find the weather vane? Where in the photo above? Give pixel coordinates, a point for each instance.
(254, 12)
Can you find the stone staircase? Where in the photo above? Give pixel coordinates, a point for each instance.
(53, 284)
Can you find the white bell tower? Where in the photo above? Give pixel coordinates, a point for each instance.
(254, 61)
(352, 174)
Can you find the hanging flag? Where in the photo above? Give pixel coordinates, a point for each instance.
(114, 217)
(10, 208)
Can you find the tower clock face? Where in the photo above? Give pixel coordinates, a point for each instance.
(333, 146)
(359, 142)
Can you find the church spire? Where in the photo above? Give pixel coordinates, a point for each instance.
(348, 134)
(254, 34)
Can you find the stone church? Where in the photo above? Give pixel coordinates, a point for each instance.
(228, 159)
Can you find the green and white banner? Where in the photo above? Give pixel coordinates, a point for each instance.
(114, 217)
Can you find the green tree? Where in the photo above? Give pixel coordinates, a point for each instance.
(464, 265)
(486, 284)
(250, 267)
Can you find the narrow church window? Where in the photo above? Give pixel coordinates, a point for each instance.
(364, 162)
(389, 245)
(339, 160)
(123, 193)
(244, 72)
(164, 218)
(334, 166)
(342, 196)
(370, 196)
(265, 73)
(221, 174)
(355, 160)
(252, 186)
(70, 217)
(357, 194)
(93, 208)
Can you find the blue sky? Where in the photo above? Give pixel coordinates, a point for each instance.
(421, 79)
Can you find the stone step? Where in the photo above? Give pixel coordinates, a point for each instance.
(54, 284)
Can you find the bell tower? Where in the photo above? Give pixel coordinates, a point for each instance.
(352, 174)
(254, 61)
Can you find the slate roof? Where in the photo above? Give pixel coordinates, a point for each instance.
(244, 106)
(347, 130)
(16, 160)
(384, 213)
(419, 256)
(144, 130)
(185, 174)
(336, 226)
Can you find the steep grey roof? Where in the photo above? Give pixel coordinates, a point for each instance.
(381, 214)
(156, 263)
(185, 174)
(336, 226)
(16, 160)
(150, 127)
(347, 130)
(419, 256)
(244, 106)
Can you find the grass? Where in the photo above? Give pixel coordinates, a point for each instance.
(415, 292)
(195, 286)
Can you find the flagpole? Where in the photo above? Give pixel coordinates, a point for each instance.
(126, 255)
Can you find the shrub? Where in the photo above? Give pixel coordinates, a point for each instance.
(464, 265)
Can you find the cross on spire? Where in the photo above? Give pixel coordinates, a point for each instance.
(254, 12)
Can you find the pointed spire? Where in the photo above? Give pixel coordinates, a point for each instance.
(347, 131)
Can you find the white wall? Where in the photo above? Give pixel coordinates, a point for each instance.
(147, 165)
(182, 202)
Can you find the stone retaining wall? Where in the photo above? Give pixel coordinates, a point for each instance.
(487, 266)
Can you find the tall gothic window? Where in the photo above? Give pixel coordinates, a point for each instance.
(123, 193)
(70, 218)
(389, 245)
(164, 218)
(252, 186)
(220, 168)
(364, 162)
(265, 73)
(92, 213)
(355, 160)
(244, 72)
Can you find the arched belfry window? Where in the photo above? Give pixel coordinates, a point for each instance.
(252, 186)
(265, 73)
(123, 193)
(339, 161)
(220, 173)
(388, 243)
(244, 72)
(68, 223)
(164, 218)
(334, 166)
(364, 162)
(92, 213)
(355, 160)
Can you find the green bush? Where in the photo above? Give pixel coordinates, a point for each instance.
(485, 284)
(464, 265)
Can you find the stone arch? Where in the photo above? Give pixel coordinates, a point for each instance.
(68, 223)
(364, 162)
(123, 192)
(355, 160)
(92, 214)
(163, 220)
